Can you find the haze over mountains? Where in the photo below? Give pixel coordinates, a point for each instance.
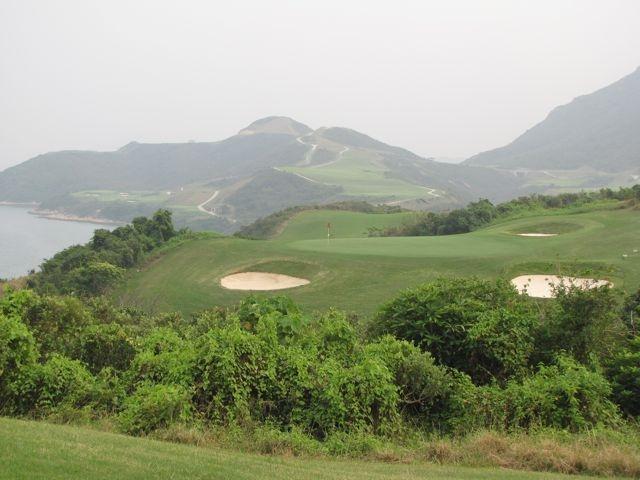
(600, 130)
(277, 162)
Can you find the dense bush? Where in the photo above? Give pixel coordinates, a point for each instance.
(624, 373)
(17, 350)
(564, 395)
(108, 345)
(42, 387)
(318, 377)
(583, 323)
(482, 328)
(464, 361)
(154, 406)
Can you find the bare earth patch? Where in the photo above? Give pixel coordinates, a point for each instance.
(261, 281)
(537, 234)
(543, 286)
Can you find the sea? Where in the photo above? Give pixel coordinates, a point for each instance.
(26, 240)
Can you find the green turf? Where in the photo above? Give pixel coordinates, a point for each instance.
(36, 450)
(360, 174)
(357, 273)
(549, 227)
(312, 224)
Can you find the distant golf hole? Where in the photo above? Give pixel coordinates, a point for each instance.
(261, 281)
(544, 286)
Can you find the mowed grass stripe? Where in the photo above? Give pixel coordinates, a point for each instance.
(37, 450)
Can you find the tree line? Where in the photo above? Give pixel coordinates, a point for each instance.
(92, 268)
(478, 214)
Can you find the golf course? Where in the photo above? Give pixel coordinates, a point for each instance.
(350, 270)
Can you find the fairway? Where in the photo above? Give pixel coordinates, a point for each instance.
(36, 450)
(361, 174)
(356, 273)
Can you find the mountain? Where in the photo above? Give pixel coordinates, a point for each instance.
(274, 163)
(599, 131)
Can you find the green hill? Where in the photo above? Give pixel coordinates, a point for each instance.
(356, 273)
(274, 163)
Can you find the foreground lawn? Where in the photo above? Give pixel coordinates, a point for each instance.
(37, 450)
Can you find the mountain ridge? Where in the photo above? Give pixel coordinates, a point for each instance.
(598, 130)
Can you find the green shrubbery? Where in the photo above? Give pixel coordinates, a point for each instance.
(482, 328)
(154, 406)
(451, 356)
(92, 268)
(480, 213)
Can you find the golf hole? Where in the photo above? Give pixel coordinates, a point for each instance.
(543, 286)
(261, 281)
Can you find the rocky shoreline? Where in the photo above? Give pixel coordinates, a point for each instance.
(58, 215)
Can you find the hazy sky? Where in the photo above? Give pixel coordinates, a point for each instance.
(445, 78)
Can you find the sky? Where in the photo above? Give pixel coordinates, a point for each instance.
(441, 78)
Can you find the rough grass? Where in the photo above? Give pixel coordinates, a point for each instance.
(359, 273)
(36, 450)
(601, 452)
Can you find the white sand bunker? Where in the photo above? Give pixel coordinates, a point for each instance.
(261, 281)
(543, 286)
(537, 234)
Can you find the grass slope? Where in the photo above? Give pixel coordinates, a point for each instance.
(357, 273)
(360, 174)
(36, 450)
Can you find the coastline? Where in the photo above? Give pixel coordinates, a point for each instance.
(57, 215)
(18, 204)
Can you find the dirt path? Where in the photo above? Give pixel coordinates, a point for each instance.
(211, 212)
(337, 159)
(309, 154)
(299, 175)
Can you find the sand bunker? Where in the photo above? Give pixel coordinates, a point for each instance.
(261, 281)
(543, 286)
(537, 234)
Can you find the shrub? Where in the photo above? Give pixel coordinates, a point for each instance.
(480, 327)
(583, 323)
(317, 377)
(624, 373)
(17, 350)
(55, 322)
(164, 357)
(423, 386)
(154, 406)
(565, 395)
(42, 387)
(101, 346)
